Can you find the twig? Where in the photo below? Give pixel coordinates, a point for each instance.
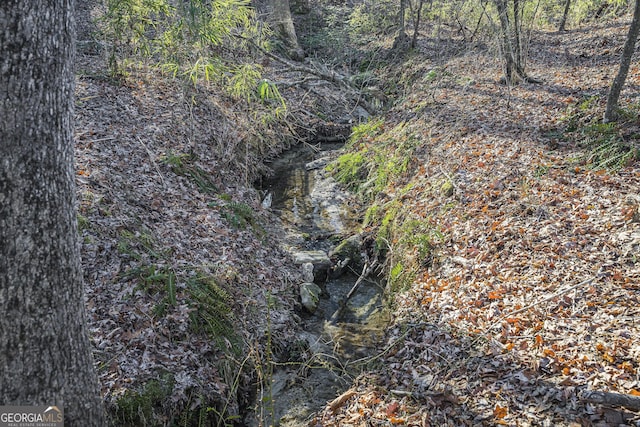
(328, 75)
(340, 400)
(365, 272)
(331, 76)
(614, 399)
(106, 138)
(164, 184)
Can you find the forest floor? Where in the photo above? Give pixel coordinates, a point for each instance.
(532, 290)
(530, 294)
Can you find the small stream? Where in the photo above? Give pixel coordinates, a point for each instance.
(316, 214)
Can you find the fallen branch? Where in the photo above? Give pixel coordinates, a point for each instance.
(613, 399)
(366, 270)
(340, 400)
(327, 75)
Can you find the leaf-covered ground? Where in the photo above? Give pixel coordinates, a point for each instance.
(190, 296)
(531, 294)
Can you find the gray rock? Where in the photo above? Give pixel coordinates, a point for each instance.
(310, 296)
(317, 258)
(349, 248)
(307, 272)
(317, 164)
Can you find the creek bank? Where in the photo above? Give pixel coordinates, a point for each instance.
(320, 221)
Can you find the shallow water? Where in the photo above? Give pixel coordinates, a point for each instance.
(313, 207)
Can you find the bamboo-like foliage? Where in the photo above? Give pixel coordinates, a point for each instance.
(199, 40)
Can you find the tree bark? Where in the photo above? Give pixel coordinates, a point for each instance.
(611, 111)
(510, 71)
(416, 21)
(401, 42)
(45, 356)
(283, 24)
(511, 42)
(517, 38)
(565, 14)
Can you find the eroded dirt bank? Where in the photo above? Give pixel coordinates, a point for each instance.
(190, 295)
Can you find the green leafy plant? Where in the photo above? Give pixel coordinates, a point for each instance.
(155, 279)
(184, 165)
(371, 18)
(198, 40)
(239, 215)
(212, 314)
(606, 145)
(142, 407)
(139, 245)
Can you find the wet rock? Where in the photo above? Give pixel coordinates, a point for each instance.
(317, 164)
(310, 296)
(338, 268)
(307, 272)
(348, 248)
(319, 259)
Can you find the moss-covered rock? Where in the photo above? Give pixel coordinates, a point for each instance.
(447, 189)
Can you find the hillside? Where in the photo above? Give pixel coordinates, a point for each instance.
(511, 255)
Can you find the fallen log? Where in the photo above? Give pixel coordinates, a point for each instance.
(613, 399)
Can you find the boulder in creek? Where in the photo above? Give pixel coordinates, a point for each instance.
(310, 296)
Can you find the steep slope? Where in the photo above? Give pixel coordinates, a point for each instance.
(512, 259)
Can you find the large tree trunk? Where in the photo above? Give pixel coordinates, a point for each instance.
(280, 18)
(45, 357)
(611, 112)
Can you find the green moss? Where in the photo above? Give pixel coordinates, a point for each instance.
(348, 169)
(418, 236)
(447, 189)
(384, 236)
(366, 130)
(371, 215)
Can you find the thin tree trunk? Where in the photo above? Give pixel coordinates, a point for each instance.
(402, 40)
(611, 111)
(510, 71)
(565, 14)
(45, 356)
(416, 22)
(517, 42)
